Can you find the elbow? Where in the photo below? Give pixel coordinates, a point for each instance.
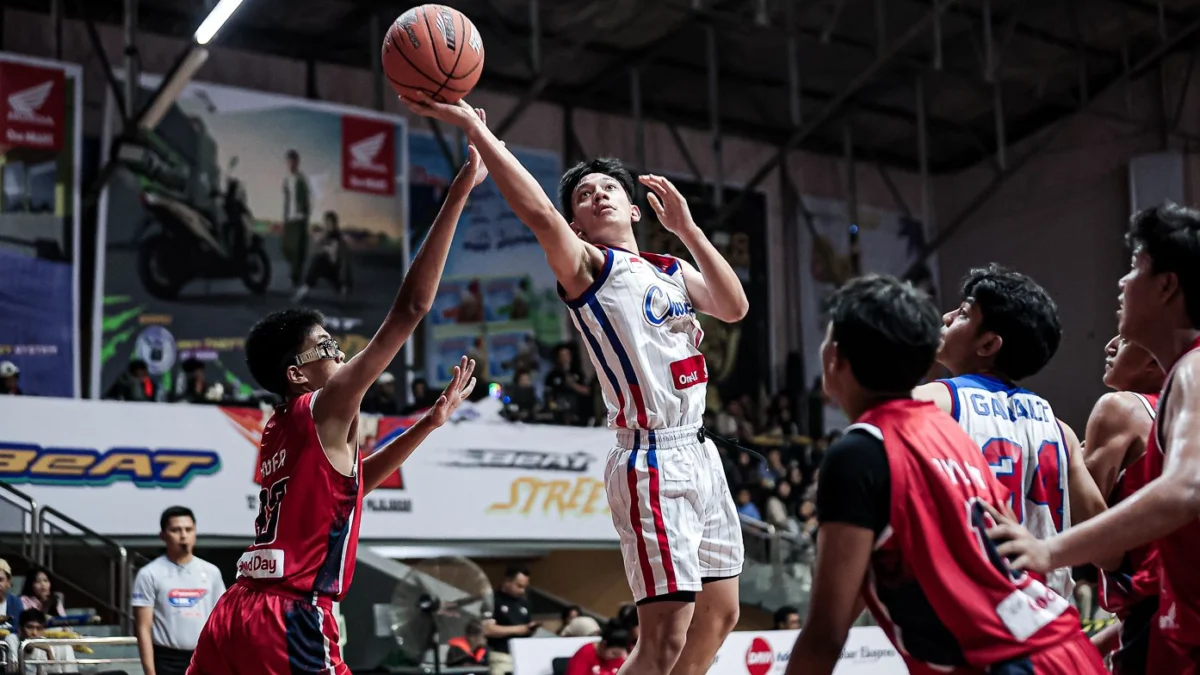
(735, 310)
(1187, 494)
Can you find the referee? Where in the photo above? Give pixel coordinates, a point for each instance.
(173, 596)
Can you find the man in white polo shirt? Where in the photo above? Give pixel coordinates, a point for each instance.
(173, 596)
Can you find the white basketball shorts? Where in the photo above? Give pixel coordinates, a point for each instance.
(673, 510)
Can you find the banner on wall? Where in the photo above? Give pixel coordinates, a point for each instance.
(476, 478)
(888, 243)
(497, 300)
(41, 105)
(240, 203)
(867, 652)
(738, 355)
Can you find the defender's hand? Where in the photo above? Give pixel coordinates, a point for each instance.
(1024, 551)
(459, 389)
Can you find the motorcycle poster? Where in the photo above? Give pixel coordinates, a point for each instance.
(239, 203)
(41, 105)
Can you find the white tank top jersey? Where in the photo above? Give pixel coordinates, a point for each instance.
(643, 337)
(1023, 443)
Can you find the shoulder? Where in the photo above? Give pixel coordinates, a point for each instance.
(943, 393)
(151, 569)
(1116, 407)
(861, 445)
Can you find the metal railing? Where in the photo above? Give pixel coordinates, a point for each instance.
(41, 666)
(778, 568)
(53, 529)
(18, 517)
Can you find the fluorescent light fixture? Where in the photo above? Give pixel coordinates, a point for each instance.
(173, 86)
(216, 18)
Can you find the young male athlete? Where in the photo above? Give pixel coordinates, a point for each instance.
(1004, 330)
(670, 503)
(276, 620)
(1160, 310)
(900, 502)
(1117, 433)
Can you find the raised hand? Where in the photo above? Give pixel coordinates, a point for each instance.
(459, 114)
(459, 389)
(668, 204)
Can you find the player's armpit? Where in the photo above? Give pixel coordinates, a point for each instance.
(1086, 498)
(1114, 426)
(843, 553)
(937, 393)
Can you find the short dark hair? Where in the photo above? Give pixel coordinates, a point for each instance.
(137, 364)
(887, 329)
(292, 154)
(566, 611)
(614, 633)
(32, 615)
(608, 166)
(783, 613)
(474, 628)
(174, 512)
(1013, 306)
(515, 571)
(273, 342)
(1169, 235)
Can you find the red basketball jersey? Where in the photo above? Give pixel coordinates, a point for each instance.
(1179, 556)
(1137, 578)
(936, 584)
(306, 533)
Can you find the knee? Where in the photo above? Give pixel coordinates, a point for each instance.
(660, 652)
(728, 617)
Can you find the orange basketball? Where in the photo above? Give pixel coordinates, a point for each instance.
(435, 49)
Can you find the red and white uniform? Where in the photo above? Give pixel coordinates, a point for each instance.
(277, 619)
(667, 492)
(1023, 443)
(948, 601)
(1175, 636)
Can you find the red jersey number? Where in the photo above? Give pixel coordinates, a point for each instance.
(270, 500)
(1048, 487)
(1004, 457)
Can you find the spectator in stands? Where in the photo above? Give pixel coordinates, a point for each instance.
(520, 400)
(135, 384)
(568, 615)
(627, 616)
(173, 596)
(603, 657)
(778, 513)
(9, 376)
(381, 398)
(10, 611)
(468, 650)
(509, 619)
(193, 386)
(745, 503)
(422, 398)
(581, 626)
(567, 392)
(787, 618)
(33, 627)
(37, 592)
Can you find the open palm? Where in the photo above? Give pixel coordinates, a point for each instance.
(459, 389)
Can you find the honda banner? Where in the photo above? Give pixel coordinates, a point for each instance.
(40, 139)
(236, 204)
(115, 466)
(867, 652)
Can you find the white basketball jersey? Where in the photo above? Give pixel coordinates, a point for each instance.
(1021, 438)
(644, 341)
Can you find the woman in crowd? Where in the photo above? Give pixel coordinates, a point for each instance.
(37, 592)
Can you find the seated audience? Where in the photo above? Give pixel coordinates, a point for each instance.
(605, 656)
(38, 593)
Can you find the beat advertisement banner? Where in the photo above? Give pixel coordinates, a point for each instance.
(497, 299)
(237, 204)
(888, 243)
(116, 465)
(867, 652)
(41, 106)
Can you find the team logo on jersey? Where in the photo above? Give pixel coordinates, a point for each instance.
(659, 307)
(185, 597)
(144, 467)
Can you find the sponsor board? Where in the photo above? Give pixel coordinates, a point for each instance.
(476, 478)
(867, 652)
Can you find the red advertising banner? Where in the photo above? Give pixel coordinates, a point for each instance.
(368, 156)
(32, 106)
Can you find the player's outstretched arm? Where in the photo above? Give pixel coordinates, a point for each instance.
(1086, 498)
(384, 462)
(572, 260)
(714, 288)
(843, 553)
(1117, 424)
(1163, 506)
(342, 396)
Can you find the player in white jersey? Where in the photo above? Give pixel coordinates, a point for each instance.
(679, 530)
(1006, 329)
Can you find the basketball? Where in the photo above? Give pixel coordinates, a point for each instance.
(435, 49)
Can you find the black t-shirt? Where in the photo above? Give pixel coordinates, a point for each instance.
(508, 611)
(855, 483)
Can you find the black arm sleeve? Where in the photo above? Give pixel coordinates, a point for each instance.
(855, 483)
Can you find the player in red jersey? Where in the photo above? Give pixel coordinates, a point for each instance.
(276, 620)
(901, 506)
(1117, 431)
(1160, 310)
